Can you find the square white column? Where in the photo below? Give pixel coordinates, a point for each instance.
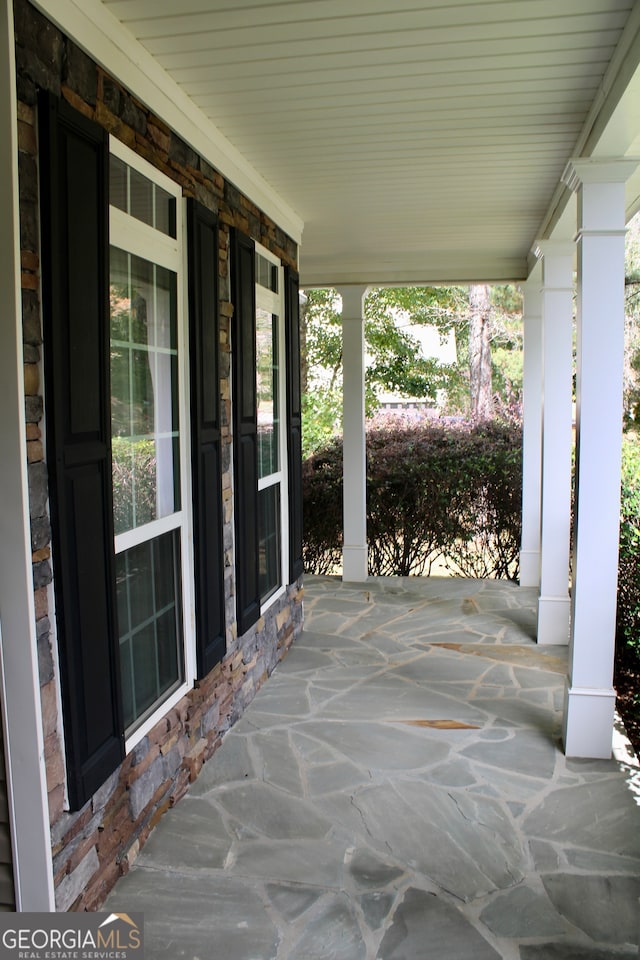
(354, 551)
(19, 677)
(590, 697)
(557, 439)
(531, 433)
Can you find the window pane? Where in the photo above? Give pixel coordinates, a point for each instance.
(135, 194)
(166, 652)
(144, 391)
(145, 671)
(150, 624)
(139, 574)
(269, 546)
(266, 273)
(140, 197)
(118, 183)
(267, 392)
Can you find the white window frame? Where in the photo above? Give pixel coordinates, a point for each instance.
(274, 303)
(138, 238)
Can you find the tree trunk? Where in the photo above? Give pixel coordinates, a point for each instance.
(480, 352)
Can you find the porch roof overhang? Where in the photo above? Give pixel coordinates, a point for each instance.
(414, 145)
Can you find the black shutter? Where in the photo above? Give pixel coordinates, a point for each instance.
(74, 191)
(205, 426)
(245, 432)
(294, 421)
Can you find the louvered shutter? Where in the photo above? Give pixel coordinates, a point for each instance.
(205, 425)
(245, 432)
(74, 195)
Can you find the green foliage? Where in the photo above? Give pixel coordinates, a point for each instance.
(321, 340)
(323, 325)
(321, 418)
(414, 490)
(628, 617)
(322, 499)
(490, 511)
(134, 471)
(440, 307)
(435, 492)
(507, 346)
(395, 361)
(632, 327)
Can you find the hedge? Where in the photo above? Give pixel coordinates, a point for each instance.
(628, 619)
(436, 491)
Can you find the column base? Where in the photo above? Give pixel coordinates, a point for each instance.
(588, 722)
(354, 563)
(529, 568)
(553, 620)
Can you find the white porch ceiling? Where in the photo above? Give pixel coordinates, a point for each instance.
(418, 140)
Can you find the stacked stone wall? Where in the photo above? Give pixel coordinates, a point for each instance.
(92, 847)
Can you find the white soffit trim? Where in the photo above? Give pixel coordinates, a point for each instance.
(104, 38)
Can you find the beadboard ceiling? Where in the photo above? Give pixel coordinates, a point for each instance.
(418, 140)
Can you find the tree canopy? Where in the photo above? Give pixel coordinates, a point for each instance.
(395, 361)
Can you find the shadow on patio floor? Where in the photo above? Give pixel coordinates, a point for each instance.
(397, 790)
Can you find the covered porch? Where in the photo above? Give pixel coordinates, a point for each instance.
(398, 790)
(380, 778)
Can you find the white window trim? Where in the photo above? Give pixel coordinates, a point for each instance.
(134, 160)
(140, 239)
(274, 303)
(145, 241)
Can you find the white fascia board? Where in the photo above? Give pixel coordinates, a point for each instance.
(105, 39)
(433, 273)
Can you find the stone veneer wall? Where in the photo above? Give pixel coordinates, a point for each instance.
(95, 845)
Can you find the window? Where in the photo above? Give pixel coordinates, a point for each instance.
(270, 383)
(147, 434)
(120, 439)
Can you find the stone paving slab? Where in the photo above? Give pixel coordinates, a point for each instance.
(397, 791)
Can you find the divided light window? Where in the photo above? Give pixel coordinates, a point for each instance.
(148, 436)
(270, 382)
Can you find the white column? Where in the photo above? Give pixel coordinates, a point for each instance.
(557, 439)
(590, 697)
(354, 552)
(531, 433)
(24, 749)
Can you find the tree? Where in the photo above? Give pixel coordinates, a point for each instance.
(632, 326)
(480, 383)
(395, 362)
(452, 309)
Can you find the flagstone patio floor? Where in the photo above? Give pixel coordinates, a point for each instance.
(397, 791)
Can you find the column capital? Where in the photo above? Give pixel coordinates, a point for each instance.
(353, 300)
(558, 257)
(581, 170)
(554, 248)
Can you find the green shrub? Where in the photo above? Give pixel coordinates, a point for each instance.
(435, 491)
(413, 485)
(134, 478)
(491, 508)
(322, 499)
(628, 619)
